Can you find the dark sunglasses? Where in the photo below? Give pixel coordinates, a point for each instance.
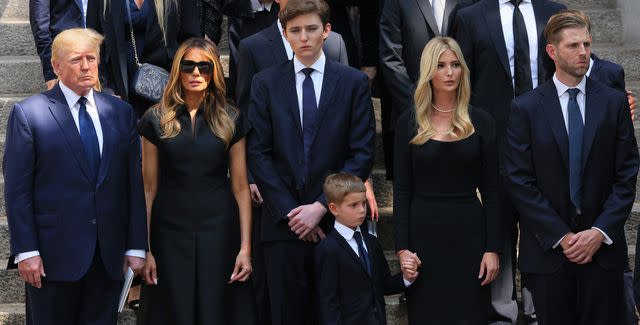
(187, 66)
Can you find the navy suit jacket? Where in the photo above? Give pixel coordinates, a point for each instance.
(346, 292)
(478, 31)
(608, 73)
(52, 206)
(343, 140)
(537, 166)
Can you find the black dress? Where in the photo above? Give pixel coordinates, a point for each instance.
(194, 232)
(438, 215)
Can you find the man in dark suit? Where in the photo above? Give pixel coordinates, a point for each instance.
(571, 161)
(50, 17)
(310, 116)
(491, 47)
(73, 190)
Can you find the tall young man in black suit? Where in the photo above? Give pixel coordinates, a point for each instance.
(310, 117)
(571, 161)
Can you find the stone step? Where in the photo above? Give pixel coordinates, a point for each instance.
(21, 75)
(625, 56)
(382, 188)
(11, 285)
(587, 4)
(606, 25)
(14, 9)
(4, 241)
(14, 314)
(16, 37)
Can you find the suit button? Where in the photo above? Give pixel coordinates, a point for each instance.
(93, 221)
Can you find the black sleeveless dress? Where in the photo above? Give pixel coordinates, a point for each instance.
(438, 215)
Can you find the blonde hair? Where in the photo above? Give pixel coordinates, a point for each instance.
(337, 186)
(63, 41)
(423, 97)
(162, 11)
(219, 117)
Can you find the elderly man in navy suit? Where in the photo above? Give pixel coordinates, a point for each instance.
(571, 160)
(73, 190)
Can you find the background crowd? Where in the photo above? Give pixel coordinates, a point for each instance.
(506, 139)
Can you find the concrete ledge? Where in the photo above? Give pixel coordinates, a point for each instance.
(16, 37)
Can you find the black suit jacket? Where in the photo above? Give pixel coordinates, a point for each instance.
(537, 166)
(343, 140)
(406, 26)
(347, 294)
(608, 73)
(50, 17)
(478, 30)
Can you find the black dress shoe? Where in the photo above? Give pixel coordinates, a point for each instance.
(403, 298)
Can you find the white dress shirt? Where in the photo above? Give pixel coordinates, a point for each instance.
(317, 75)
(347, 233)
(506, 17)
(590, 67)
(563, 95)
(264, 6)
(72, 101)
(287, 46)
(84, 13)
(438, 12)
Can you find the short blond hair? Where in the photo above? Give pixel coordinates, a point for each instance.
(63, 41)
(337, 186)
(563, 20)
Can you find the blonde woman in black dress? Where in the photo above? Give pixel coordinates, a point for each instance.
(198, 201)
(444, 151)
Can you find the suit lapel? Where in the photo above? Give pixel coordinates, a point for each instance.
(551, 107)
(329, 84)
(492, 16)
(541, 22)
(277, 47)
(343, 242)
(62, 114)
(596, 66)
(448, 8)
(80, 7)
(118, 26)
(108, 135)
(291, 96)
(593, 115)
(427, 13)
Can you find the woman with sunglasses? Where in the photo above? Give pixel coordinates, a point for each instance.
(198, 202)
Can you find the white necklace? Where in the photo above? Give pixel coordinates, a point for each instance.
(443, 110)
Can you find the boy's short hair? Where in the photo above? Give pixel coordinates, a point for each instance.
(563, 20)
(297, 8)
(337, 186)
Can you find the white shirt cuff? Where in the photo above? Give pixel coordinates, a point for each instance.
(407, 283)
(23, 256)
(136, 253)
(559, 241)
(607, 240)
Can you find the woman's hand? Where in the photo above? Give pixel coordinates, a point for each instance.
(242, 269)
(489, 267)
(149, 272)
(371, 200)
(409, 264)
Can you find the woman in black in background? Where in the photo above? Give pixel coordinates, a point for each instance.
(197, 196)
(444, 151)
(159, 26)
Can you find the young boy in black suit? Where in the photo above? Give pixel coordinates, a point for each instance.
(352, 273)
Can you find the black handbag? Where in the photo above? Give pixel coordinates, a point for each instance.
(150, 80)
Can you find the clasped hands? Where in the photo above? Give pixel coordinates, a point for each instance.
(409, 264)
(579, 248)
(304, 221)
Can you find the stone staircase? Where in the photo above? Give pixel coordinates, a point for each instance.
(21, 76)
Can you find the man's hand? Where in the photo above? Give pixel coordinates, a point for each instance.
(489, 268)
(583, 245)
(135, 263)
(316, 235)
(256, 198)
(51, 83)
(371, 73)
(632, 104)
(31, 270)
(149, 273)
(371, 200)
(564, 243)
(306, 217)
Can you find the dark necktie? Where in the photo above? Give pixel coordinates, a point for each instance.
(309, 110)
(576, 128)
(522, 66)
(89, 139)
(364, 256)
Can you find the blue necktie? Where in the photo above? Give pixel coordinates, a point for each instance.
(89, 139)
(309, 110)
(364, 256)
(576, 128)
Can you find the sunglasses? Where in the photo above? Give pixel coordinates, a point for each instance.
(204, 67)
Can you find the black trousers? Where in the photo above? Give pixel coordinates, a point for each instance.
(578, 295)
(259, 274)
(92, 300)
(290, 277)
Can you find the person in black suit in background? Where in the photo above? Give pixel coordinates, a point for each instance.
(50, 17)
(571, 161)
(504, 63)
(352, 273)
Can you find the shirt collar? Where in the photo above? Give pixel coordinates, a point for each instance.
(318, 66)
(345, 231)
(590, 67)
(504, 2)
(562, 88)
(72, 97)
(257, 6)
(280, 29)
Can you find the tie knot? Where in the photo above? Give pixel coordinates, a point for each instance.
(82, 101)
(307, 71)
(358, 235)
(573, 92)
(515, 3)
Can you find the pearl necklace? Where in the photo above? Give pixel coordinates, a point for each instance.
(442, 110)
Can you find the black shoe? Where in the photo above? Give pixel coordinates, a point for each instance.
(403, 298)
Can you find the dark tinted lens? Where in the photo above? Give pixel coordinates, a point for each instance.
(205, 67)
(187, 66)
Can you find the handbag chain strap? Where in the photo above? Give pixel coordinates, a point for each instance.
(133, 38)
